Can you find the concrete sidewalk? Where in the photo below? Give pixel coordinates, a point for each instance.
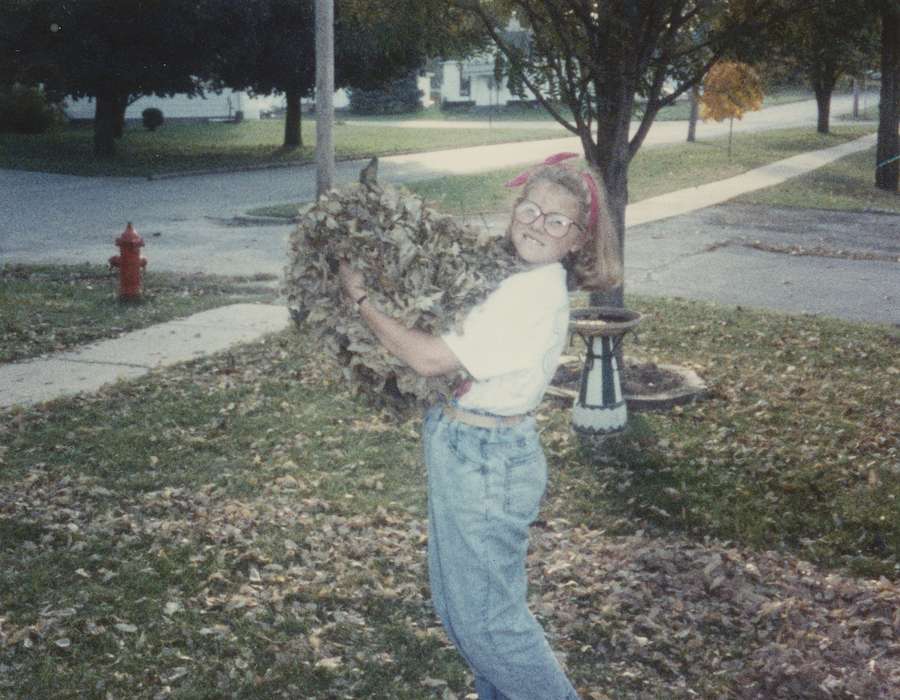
(135, 354)
(693, 198)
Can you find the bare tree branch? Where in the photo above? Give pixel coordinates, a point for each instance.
(490, 25)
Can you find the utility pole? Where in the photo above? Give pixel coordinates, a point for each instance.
(324, 95)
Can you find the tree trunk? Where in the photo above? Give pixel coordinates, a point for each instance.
(887, 171)
(104, 126)
(121, 104)
(730, 136)
(695, 113)
(292, 118)
(611, 157)
(856, 97)
(823, 101)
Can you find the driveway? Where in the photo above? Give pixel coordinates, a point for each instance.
(814, 261)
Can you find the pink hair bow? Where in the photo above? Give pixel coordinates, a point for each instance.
(556, 158)
(522, 178)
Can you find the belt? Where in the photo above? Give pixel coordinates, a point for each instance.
(481, 420)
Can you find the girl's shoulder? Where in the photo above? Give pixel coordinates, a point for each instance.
(532, 294)
(538, 282)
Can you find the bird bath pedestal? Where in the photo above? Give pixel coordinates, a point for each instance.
(599, 408)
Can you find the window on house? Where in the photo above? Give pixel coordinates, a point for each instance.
(465, 84)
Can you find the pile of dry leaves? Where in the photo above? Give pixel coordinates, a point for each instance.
(422, 268)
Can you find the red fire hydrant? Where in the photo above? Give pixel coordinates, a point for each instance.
(130, 263)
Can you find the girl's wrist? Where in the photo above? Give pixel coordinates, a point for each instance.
(354, 293)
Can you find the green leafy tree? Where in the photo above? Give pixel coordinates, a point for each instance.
(599, 57)
(825, 40)
(272, 50)
(111, 50)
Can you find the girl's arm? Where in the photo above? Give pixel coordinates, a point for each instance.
(426, 354)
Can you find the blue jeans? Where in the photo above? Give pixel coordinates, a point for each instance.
(484, 490)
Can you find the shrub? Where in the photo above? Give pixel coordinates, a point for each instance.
(26, 110)
(153, 118)
(524, 104)
(457, 106)
(397, 97)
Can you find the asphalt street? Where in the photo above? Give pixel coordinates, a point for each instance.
(193, 224)
(813, 261)
(189, 222)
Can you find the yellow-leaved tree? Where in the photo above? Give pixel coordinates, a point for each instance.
(730, 89)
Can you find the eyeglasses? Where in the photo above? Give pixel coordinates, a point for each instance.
(556, 225)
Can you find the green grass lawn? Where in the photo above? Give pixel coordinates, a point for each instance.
(653, 171)
(679, 111)
(847, 184)
(51, 308)
(241, 526)
(867, 112)
(180, 147)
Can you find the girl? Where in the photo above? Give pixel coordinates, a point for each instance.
(486, 468)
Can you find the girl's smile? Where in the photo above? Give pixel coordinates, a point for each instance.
(529, 237)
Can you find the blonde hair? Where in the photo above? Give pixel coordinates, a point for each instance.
(597, 265)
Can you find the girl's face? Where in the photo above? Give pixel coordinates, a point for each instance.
(541, 241)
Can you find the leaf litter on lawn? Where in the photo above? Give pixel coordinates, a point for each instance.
(289, 588)
(655, 615)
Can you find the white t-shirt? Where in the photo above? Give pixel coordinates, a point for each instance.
(511, 342)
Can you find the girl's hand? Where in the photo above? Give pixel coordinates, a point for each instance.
(353, 281)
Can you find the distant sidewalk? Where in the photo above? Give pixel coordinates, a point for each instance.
(692, 198)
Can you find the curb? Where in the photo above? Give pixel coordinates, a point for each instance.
(266, 220)
(306, 163)
(226, 171)
(261, 166)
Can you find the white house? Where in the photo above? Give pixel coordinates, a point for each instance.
(210, 106)
(216, 106)
(472, 79)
